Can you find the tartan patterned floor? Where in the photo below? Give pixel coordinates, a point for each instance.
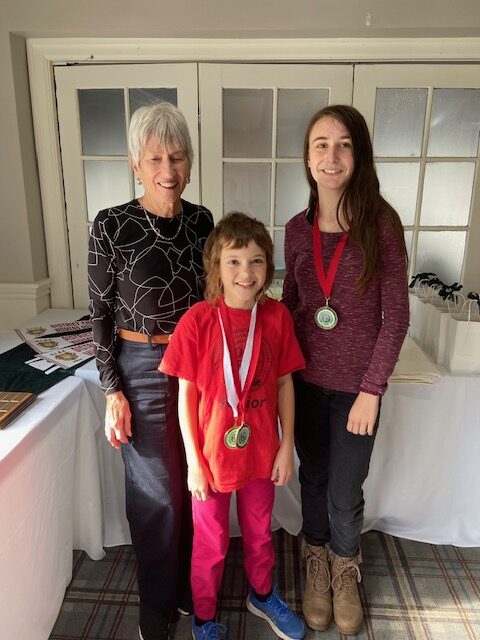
(410, 591)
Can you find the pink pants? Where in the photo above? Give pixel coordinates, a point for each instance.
(211, 538)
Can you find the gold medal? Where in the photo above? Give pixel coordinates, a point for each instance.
(326, 318)
(230, 438)
(237, 437)
(243, 436)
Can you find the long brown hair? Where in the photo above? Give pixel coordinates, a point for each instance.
(361, 202)
(235, 230)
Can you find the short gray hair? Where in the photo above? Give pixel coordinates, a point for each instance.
(163, 121)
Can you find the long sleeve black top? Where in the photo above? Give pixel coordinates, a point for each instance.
(144, 272)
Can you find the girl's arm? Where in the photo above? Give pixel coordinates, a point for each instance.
(199, 478)
(283, 465)
(394, 300)
(394, 305)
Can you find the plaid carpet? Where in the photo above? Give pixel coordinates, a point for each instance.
(410, 591)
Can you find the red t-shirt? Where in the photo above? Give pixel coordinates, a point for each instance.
(195, 354)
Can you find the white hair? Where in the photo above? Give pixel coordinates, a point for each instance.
(166, 123)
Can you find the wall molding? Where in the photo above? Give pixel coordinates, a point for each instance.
(45, 53)
(91, 50)
(21, 301)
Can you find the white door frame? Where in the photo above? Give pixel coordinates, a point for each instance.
(44, 53)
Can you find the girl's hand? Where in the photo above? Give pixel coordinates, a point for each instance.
(199, 480)
(283, 465)
(118, 426)
(363, 414)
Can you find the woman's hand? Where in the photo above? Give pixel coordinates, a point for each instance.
(283, 466)
(363, 414)
(199, 480)
(118, 426)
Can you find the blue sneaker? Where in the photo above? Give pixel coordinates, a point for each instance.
(280, 617)
(208, 631)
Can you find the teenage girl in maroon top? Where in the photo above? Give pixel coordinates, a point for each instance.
(346, 286)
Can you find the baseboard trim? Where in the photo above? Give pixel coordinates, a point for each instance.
(20, 301)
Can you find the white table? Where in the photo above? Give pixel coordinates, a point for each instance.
(50, 504)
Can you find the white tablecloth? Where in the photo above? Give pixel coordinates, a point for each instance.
(50, 504)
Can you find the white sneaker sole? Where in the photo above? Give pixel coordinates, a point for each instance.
(257, 612)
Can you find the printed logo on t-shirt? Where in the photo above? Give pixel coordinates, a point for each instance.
(264, 361)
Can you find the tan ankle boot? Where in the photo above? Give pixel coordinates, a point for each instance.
(347, 607)
(317, 597)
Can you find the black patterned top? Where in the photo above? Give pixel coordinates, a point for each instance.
(144, 272)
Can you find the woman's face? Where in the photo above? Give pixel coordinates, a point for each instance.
(164, 173)
(330, 155)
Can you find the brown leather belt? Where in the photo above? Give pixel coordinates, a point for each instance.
(135, 336)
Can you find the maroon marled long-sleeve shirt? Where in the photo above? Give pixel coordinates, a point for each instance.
(359, 354)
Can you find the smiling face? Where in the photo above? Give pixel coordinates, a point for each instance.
(330, 155)
(242, 272)
(164, 173)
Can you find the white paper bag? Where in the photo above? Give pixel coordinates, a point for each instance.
(463, 341)
(418, 318)
(437, 322)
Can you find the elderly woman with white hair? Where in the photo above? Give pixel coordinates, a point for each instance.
(145, 270)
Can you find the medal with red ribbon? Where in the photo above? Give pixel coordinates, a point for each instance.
(238, 381)
(326, 317)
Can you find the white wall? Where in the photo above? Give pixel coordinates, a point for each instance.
(22, 246)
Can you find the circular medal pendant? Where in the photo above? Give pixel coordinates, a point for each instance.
(230, 438)
(243, 436)
(326, 318)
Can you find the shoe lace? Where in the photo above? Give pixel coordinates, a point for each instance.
(317, 568)
(278, 608)
(345, 577)
(210, 630)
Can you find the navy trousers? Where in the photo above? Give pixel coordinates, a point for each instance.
(333, 466)
(157, 500)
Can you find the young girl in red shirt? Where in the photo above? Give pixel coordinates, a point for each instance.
(233, 355)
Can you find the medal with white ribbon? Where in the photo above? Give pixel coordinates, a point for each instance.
(238, 382)
(326, 317)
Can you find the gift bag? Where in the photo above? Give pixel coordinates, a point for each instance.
(438, 319)
(419, 300)
(463, 340)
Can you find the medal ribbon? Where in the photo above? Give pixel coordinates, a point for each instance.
(326, 280)
(238, 382)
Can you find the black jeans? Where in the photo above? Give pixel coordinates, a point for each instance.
(333, 466)
(157, 500)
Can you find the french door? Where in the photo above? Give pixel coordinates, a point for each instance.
(247, 123)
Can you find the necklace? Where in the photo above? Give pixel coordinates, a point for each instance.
(157, 232)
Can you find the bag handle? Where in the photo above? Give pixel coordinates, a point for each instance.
(468, 303)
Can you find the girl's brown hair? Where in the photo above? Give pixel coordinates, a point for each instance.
(361, 202)
(235, 230)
